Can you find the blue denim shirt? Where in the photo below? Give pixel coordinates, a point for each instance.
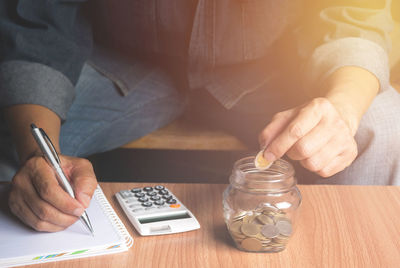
(229, 47)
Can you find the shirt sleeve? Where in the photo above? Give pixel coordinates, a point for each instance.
(43, 46)
(354, 33)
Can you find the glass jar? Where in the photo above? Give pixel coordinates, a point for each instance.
(261, 206)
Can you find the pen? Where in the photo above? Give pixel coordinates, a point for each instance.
(51, 156)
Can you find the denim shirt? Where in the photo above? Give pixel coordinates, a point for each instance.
(229, 47)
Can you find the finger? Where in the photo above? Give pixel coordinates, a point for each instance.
(47, 187)
(20, 209)
(47, 213)
(312, 142)
(84, 181)
(277, 124)
(307, 118)
(338, 164)
(338, 145)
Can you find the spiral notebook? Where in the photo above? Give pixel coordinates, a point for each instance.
(21, 245)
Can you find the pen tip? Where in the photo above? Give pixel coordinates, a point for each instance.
(33, 125)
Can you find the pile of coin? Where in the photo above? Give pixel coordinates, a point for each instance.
(263, 229)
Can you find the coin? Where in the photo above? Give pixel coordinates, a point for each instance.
(260, 162)
(269, 231)
(249, 219)
(280, 217)
(251, 244)
(264, 219)
(235, 226)
(239, 215)
(250, 229)
(284, 227)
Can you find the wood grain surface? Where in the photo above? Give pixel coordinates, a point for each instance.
(339, 226)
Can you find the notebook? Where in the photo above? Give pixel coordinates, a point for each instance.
(21, 245)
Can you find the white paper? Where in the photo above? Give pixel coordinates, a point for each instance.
(18, 240)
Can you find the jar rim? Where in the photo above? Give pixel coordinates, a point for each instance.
(278, 177)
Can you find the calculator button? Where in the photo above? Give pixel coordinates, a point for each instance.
(175, 205)
(151, 193)
(148, 189)
(166, 197)
(156, 197)
(163, 192)
(147, 204)
(171, 201)
(159, 187)
(139, 194)
(143, 199)
(159, 202)
(136, 190)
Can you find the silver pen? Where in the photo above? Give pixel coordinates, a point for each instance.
(51, 156)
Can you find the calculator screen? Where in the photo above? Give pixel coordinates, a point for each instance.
(151, 219)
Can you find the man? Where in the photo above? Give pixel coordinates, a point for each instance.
(240, 60)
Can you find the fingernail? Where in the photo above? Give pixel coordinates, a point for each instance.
(78, 212)
(85, 199)
(270, 157)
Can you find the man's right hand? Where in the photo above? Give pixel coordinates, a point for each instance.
(40, 202)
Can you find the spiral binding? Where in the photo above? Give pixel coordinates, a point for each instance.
(115, 220)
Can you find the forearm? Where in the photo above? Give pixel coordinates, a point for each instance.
(19, 118)
(351, 90)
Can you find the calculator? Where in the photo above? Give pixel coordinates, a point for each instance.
(156, 211)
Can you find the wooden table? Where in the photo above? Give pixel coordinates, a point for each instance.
(339, 226)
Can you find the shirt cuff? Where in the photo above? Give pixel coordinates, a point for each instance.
(23, 82)
(349, 51)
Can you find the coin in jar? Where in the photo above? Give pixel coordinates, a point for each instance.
(264, 219)
(251, 244)
(269, 231)
(250, 229)
(235, 226)
(284, 227)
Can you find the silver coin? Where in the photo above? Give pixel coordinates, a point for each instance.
(284, 228)
(270, 231)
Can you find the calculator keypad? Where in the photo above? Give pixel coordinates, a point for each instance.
(146, 198)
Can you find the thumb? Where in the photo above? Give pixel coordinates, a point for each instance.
(84, 180)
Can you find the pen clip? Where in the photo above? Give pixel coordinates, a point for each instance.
(51, 146)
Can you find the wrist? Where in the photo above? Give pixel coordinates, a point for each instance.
(351, 90)
(19, 119)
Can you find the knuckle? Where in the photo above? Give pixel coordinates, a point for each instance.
(313, 164)
(43, 213)
(84, 162)
(295, 131)
(34, 162)
(17, 181)
(303, 149)
(279, 115)
(45, 190)
(39, 225)
(321, 103)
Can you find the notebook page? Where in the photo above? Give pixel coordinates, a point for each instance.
(18, 240)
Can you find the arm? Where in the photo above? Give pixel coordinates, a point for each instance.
(39, 65)
(342, 78)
